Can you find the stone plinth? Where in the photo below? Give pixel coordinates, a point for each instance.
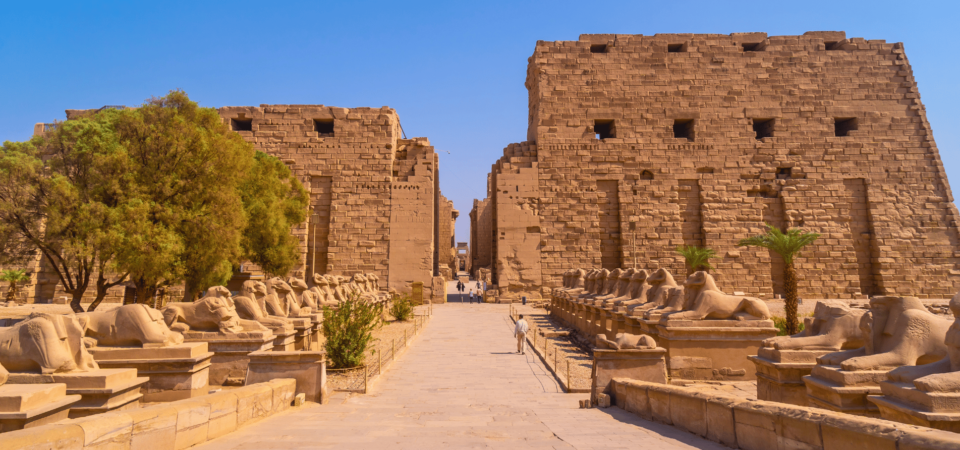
(182, 367)
(101, 390)
(830, 387)
(712, 349)
(284, 338)
(636, 364)
(303, 330)
(780, 374)
(31, 405)
(231, 351)
(308, 368)
(904, 403)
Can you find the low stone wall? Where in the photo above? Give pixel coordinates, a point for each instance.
(760, 425)
(174, 425)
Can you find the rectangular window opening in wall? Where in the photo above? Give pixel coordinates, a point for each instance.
(842, 126)
(676, 48)
(241, 124)
(598, 48)
(784, 173)
(604, 129)
(831, 45)
(323, 127)
(683, 129)
(763, 128)
(751, 47)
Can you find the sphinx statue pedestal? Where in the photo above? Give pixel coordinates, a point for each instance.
(649, 322)
(284, 338)
(181, 367)
(307, 331)
(637, 364)
(231, 351)
(780, 374)
(904, 403)
(835, 389)
(712, 349)
(100, 390)
(31, 405)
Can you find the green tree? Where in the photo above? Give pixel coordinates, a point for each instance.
(349, 329)
(788, 246)
(184, 217)
(14, 276)
(696, 258)
(274, 201)
(58, 195)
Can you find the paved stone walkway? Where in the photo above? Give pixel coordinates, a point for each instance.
(461, 385)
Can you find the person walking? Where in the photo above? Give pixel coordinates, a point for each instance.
(471, 295)
(521, 333)
(478, 286)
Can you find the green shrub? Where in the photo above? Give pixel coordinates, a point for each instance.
(349, 329)
(781, 324)
(401, 308)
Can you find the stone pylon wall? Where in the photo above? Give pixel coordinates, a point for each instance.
(373, 193)
(706, 137)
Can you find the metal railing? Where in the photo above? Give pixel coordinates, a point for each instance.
(560, 355)
(357, 379)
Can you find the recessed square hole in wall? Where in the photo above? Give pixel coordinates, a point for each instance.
(784, 173)
(763, 128)
(241, 124)
(604, 129)
(646, 175)
(751, 47)
(323, 127)
(676, 48)
(683, 129)
(598, 48)
(705, 170)
(842, 126)
(832, 45)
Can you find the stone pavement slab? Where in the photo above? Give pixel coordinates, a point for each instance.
(461, 385)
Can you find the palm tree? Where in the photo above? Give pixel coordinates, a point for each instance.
(787, 245)
(13, 276)
(697, 258)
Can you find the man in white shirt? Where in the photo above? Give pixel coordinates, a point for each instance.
(521, 333)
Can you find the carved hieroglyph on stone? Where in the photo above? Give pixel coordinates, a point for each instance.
(929, 394)
(129, 325)
(898, 331)
(783, 361)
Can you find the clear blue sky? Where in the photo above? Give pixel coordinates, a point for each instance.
(453, 70)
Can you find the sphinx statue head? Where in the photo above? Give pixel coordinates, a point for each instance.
(46, 343)
(298, 285)
(213, 313)
(130, 325)
(253, 289)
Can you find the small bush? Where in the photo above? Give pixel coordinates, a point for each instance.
(349, 329)
(781, 324)
(401, 308)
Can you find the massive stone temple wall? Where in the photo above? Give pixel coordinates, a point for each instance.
(639, 144)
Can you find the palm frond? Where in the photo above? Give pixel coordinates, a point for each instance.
(697, 257)
(787, 245)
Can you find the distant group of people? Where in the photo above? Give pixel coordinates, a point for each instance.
(461, 286)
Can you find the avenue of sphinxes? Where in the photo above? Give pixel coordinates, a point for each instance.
(704, 241)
